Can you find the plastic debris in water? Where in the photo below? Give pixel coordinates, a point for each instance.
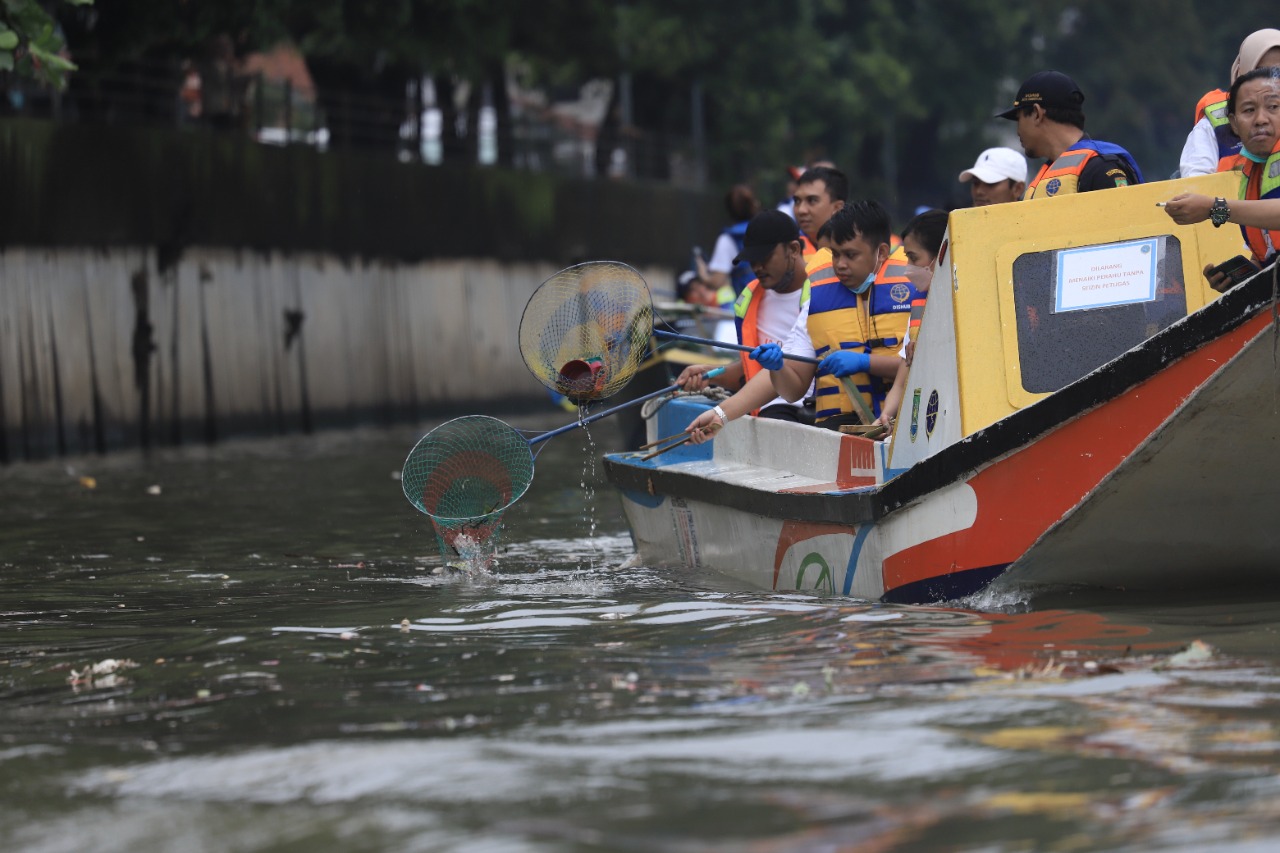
(104, 673)
(1198, 652)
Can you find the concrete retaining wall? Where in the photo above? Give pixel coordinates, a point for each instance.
(102, 349)
(159, 287)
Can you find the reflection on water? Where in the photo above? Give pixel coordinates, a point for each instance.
(265, 652)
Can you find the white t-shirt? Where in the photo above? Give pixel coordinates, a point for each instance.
(774, 323)
(723, 254)
(777, 314)
(1200, 153)
(798, 341)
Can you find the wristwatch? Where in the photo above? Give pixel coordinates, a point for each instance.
(1219, 213)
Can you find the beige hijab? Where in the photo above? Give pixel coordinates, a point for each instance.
(1252, 49)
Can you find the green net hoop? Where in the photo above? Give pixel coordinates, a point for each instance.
(464, 475)
(586, 329)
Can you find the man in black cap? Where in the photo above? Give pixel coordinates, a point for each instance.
(766, 309)
(1048, 110)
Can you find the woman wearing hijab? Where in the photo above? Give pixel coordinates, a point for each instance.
(1212, 146)
(1254, 108)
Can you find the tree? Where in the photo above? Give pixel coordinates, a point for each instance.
(900, 93)
(31, 44)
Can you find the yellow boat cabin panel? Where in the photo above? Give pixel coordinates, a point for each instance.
(1030, 296)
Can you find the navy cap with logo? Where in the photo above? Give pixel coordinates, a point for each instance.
(766, 230)
(1048, 89)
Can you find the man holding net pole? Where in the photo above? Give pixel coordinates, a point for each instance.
(767, 309)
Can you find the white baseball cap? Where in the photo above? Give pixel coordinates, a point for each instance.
(995, 165)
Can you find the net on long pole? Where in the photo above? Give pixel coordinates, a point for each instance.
(464, 475)
(584, 333)
(585, 330)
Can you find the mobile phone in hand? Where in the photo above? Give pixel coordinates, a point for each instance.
(1236, 270)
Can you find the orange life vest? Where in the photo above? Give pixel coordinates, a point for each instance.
(746, 312)
(1261, 180)
(1062, 176)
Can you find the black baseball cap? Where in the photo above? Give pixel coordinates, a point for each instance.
(766, 230)
(1048, 89)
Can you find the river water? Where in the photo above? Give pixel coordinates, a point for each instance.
(280, 666)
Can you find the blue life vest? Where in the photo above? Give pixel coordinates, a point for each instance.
(741, 275)
(1113, 149)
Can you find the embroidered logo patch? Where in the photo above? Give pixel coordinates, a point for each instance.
(1053, 186)
(899, 293)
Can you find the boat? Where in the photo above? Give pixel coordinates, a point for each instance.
(1082, 411)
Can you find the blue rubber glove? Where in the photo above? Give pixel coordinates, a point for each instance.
(844, 363)
(769, 356)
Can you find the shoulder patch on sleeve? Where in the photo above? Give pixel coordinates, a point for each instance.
(1119, 176)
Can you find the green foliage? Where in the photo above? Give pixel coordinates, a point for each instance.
(31, 44)
(900, 93)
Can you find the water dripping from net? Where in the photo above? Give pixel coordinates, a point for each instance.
(587, 484)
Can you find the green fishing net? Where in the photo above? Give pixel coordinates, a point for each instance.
(464, 475)
(586, 329)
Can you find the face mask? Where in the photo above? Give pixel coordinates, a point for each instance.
(866, 284)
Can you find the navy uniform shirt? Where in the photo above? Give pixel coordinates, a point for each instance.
(1105, 171)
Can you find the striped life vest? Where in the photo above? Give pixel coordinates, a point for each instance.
(835, 323)
(1261, 180)
(892, 296)
(1062, 176)
(1213, 106)
(746, 316)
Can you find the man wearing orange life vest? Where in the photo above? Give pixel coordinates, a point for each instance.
(1212, 146)
(765, 311)
(1048, 110)
(820, 192)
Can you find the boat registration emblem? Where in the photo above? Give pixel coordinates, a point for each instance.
(931, 415)
(915, 415)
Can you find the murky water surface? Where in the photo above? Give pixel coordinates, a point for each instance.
(248, 648)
